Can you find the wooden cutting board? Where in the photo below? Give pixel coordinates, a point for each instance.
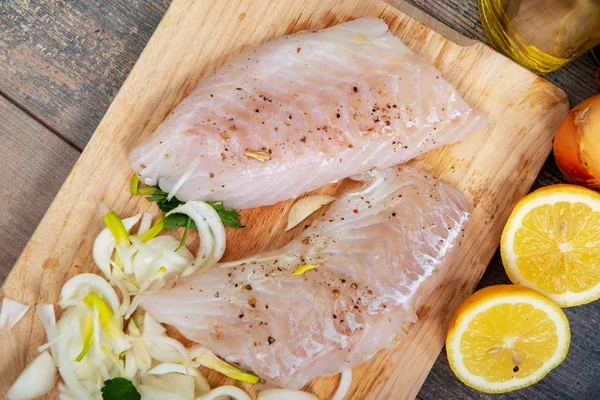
(494, 167)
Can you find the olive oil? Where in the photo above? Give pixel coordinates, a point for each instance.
(541, 35)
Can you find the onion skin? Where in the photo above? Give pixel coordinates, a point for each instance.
(577, 144)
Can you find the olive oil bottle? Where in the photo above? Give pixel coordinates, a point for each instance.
(541, 35)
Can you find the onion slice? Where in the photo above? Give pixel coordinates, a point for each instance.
(278, 394)
(231, 391)
(105, 243)
(36, 380)
(211, 231)
(73, 292)
(11, 312)
(201, 384)
(305, 207)
(344, 385)
(145, 224)
(207, 358)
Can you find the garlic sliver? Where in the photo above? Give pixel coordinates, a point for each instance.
(305, 207)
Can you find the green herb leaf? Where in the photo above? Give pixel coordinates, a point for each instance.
(185, 233)
(175, 220)
(230, 217)
(119, 389)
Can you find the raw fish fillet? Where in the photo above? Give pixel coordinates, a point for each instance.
(380, 251)
(321, 106)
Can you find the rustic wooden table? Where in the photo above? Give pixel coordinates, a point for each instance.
(62, 62)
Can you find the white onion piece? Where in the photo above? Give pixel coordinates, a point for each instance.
(125, 294)
(279, 394)
(63, 393)
(234, 392)
(11, 312)
(69, 324)
(74, 291)
(131, 367)
(141, 296)
(166, 349)
(304, 207)
(344, 385)
(156, 253)
(36, 380)
(145, 224)
(105, 243)
(178, 386)
(201, 384)
(152, 327)
(48, 318)
(211, 231)
(142, 357)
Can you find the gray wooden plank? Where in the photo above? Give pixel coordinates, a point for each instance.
(34, 164)
(65, 60)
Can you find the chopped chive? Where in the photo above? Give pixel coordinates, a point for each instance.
(185, 233)
(88, 336)
(135, 184)
(154, 230)
(105, 314)
(116, 227)
(147, 190)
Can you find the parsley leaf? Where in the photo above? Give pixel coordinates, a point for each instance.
(230, 217)
(119, 389)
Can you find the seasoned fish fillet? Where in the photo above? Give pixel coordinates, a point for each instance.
(302, 111)
(380, 251)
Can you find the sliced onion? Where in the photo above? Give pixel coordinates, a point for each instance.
(79, 286)
(69, 325)
(36, 380)
(176, 386)
(131, 368)
(157, 253)
(344, 385)
(166, 349)
(201, 384)
(279, 394)
(234, 392)
(211, 231)
(145, 224)
(210, 360)
(48, 318)
(142, 295)
(305, 207)
(11, 312)
(152, 327)
(105, 243)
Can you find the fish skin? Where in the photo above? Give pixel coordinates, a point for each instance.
(339, 102)
(380, 251)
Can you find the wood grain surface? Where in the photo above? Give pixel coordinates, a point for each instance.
(68, 111)
(524, 110)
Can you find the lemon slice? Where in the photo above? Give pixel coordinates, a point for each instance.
(551, 243)
(506, 337)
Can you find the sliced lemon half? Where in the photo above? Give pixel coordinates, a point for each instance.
(506, 337)
(551, 243)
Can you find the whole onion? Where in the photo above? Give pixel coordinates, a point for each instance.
(577, 144)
